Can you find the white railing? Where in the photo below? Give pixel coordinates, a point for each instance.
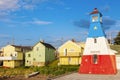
(8, 58)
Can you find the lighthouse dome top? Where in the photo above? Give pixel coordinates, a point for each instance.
(95, 11)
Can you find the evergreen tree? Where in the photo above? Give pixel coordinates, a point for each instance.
(117, 39)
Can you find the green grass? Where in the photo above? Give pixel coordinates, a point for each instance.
(51, 70)
(15, 71)
(56, 70)
(54, 63)
(116, 47)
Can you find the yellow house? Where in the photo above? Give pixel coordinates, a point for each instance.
(13, 56)
(70, 53)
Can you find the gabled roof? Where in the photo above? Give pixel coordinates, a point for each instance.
(24, 47)
(45, 44)
(78, 44)
(95, 11)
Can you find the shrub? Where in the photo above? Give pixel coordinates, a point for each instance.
(47, 70)
(58, 72)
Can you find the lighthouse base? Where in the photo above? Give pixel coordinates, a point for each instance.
(105, 64)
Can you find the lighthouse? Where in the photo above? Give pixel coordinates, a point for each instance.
(97, 57)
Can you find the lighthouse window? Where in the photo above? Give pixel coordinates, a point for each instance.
(94, 18)
(95, 59)
(95, 40)
(100, 19)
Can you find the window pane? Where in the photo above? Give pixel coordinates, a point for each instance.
(95, 18)
(28, 55)
(95, 59)
(95, 40)
(65, 52)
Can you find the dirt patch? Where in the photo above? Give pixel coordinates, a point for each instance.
(21, 77)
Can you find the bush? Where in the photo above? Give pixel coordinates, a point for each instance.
(58, 72)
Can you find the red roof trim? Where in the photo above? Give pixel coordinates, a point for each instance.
(95, 11)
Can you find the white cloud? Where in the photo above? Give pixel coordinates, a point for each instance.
(40, 22)
(29, 6)
(12, 5)
(34, 21)
(9, 5)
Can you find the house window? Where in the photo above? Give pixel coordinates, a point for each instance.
(27, 61)
(15, 54)
(29, 55)
(34, 59)
(11, 54)
(95, 58)
(37, 49)
(95, 40)
(69, 59)
(65, 52)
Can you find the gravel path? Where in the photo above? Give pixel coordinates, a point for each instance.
(77, 76)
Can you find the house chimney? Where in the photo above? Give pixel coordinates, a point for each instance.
(42, 41)
(73, 40)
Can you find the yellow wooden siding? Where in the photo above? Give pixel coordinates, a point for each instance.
(19, 56)
(70, 54)
(8, 50)
(8, 63)
(70, 60)
(72, 49)
(18, 49)
(63, 61)
(73, 53)
(12, 63)
(73, 61)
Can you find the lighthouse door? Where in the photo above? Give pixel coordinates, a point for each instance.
(95, 59)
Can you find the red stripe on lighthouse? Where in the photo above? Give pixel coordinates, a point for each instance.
(100, 64)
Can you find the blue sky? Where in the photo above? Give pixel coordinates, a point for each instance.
(25, 22)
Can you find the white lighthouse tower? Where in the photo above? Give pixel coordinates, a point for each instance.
(97, 58)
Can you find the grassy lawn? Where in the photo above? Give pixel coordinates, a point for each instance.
(15, 71)
(115, 47)
(49, 70)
